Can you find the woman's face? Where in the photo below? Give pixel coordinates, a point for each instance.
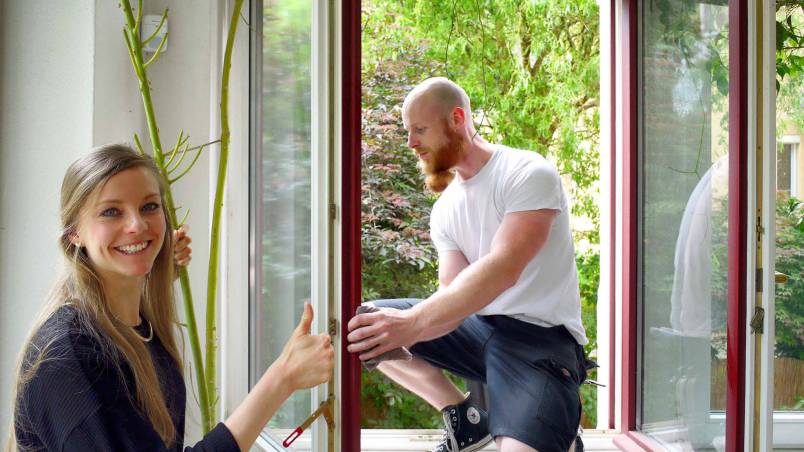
(122, 226)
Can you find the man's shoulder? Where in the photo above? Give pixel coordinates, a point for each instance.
(515, 161)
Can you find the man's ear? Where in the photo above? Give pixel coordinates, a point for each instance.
(458, 117)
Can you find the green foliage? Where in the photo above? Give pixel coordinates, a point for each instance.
(789, 65)
(790, 261)
(789, 39)
(588, 280)
(532, 69)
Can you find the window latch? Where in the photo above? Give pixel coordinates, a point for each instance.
(758, 320)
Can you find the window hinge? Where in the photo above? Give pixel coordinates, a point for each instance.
(760, 228)
(758, 282)
(333, 212)
(333, 328)
(758, 320)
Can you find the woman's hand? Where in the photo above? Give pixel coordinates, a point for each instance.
(182, 253)
(307, 360)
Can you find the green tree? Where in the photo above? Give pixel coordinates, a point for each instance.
(531, 70)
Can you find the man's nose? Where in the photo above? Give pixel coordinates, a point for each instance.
(412, 142)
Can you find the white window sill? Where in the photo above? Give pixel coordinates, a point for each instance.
(378, 440)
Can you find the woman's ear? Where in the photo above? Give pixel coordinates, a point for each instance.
(74, 239)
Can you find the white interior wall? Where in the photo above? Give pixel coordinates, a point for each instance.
(46, 60)
(66, 85)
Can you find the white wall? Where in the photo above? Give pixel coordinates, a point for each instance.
(46, 60)
(66, 85)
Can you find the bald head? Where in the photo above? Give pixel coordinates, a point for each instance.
(440, 95)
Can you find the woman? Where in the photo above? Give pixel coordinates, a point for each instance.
(101, 369)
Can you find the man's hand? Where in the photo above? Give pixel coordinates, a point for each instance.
(182, 253)
(375, 333)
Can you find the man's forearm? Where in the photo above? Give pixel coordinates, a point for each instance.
(475, 287)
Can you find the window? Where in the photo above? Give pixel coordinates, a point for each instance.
(285, 195)
(682, 222)
(787, 165)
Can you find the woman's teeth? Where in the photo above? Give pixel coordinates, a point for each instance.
(131, 249)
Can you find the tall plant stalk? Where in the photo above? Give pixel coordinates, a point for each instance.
(212, 275)
(170, 163)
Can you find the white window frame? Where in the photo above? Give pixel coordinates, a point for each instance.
(778, 429)
(237, 280)
(237, 283)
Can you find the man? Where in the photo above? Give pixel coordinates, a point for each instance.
(507, 311)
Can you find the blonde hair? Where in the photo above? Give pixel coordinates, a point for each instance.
(81, 286)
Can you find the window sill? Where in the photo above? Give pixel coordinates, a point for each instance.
(393, 440)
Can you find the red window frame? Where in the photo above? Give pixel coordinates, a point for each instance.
(627, 46)
(350, 214)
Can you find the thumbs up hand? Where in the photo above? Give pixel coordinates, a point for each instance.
(307, 360)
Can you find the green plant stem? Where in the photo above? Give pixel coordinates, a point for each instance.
(135, 47)
(212, 275)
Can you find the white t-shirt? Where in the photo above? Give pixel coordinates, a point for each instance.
(469, 212)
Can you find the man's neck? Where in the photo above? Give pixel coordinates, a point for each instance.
(478, 153)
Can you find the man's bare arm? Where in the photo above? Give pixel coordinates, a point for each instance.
(518, 240)
(520, 237)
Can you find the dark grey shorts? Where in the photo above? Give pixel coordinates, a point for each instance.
(532, 374)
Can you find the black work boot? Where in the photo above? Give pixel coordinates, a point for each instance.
(466, 428)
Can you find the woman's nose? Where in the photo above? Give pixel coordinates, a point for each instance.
(136, 223)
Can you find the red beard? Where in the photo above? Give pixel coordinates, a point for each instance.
(438, 169)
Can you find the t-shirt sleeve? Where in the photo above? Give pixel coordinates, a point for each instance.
(438, 233)
(534, 187)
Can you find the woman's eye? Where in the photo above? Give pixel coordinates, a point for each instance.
(110, 212)
(150, 207)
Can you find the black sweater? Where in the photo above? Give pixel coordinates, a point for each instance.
(77, 400)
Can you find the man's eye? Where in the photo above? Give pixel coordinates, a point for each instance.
(420, 129)
(150, 207)
(110, 212)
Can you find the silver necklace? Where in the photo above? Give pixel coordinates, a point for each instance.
(150, 332)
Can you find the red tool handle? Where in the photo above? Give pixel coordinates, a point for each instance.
(295, 434)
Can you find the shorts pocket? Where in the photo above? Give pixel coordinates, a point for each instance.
(560, 405)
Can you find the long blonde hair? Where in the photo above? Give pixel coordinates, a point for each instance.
(81, 286)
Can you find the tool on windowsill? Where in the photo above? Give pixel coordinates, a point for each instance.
(324, 409)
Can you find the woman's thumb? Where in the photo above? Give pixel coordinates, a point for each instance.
(306, 320)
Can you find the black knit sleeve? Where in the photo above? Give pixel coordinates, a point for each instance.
(219, 439)
(57, 398)
(97, 433)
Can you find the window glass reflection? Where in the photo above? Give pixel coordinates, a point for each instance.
(683, 222)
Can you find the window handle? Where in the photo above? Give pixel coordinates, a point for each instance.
(324, 409)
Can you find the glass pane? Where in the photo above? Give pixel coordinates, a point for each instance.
(788, 388)
(285, 183)
(783, 161)
(683, 222)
